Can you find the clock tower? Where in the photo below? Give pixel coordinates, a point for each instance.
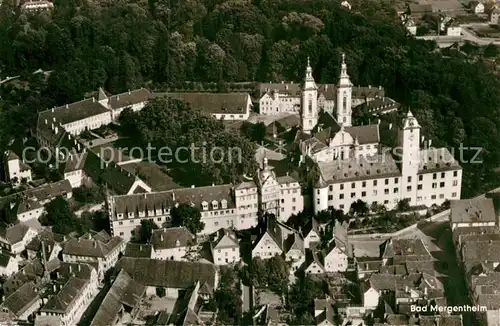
(410, 158)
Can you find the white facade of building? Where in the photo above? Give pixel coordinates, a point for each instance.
(454, 31)
(222, 206)
(173, 244)
(225, 248)
(88, 250)
(11, 267)
(336, 261)
(15, 169)
(87, 290)
(427, 176)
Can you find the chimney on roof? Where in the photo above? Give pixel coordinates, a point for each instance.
(192, 186)
(45, 121)
(79, 267)
(93, 99)
(52, 127)
(70, 268)
(213, 184)
(129, 92)
(407, 289)
(425, 290)
(56, 130)
(177, 243)
(67, 106)
(369, 86)
(161, 236)
(117, 97)
(54, 119)
(95, 244)
(53, 111)
(380, 88)
(173, 196)
(140, 248)
(54, 287)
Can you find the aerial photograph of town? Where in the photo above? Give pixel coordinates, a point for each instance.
(249, 162)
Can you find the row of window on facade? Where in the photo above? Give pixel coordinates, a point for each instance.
(396, 200)
(396, 181)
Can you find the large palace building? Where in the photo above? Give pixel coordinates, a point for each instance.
(353, 165)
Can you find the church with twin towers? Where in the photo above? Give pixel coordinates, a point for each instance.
(352, 162)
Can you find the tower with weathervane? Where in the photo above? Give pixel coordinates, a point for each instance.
(410, 139)
(344, 96)
(309, 101)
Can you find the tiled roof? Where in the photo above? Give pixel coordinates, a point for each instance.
(74, 112)
(481, 251)
(168, 238)
(65, 298)
(14, 234)
(30, 272)
(87, 246)
(383, 282)
(362, 168)
(80, 270)
(410, 247)
(138, 250)
(380, 105)
(220, 103)
(367, 134)
(168, 273)
(124, 292)
(51, 190)
(118, 179)
(436, 160)
(291, 89)
(129, 98)
(225, 238)
(19, 301)
(165, 200)
(472, 211)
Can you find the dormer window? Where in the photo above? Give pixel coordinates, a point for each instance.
(204, 205)
(215, 205)
(223, 204)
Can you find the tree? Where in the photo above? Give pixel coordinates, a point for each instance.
(278, 273)
(187, 216)
(88, 195)
(58, 214)
(404, 205)
(491, 51)
(146, 231)
(228, 298)
(359, 207)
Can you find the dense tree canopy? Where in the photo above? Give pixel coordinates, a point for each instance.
(187, 216)
(197, 148)
(125, 44)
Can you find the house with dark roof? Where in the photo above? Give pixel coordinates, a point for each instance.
(221, 106)
(46, 243)
(95, 250)
(31, 272)
(225, 247)
(216, 204)
(473, 213)
(175, 243)
(15, 238)
(15, 168)
(311, 232)
(187, 308)
(136, 250)
(71, 299)
(121, 302)
(23, 303)
(169, 277)
(324, 312)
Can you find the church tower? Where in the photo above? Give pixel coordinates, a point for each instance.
(411, 158)
(344, 97)
(309, 104)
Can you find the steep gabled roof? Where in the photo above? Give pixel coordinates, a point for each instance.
(168, 273)
(19, 301)
(168, 238)
(124, 292)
